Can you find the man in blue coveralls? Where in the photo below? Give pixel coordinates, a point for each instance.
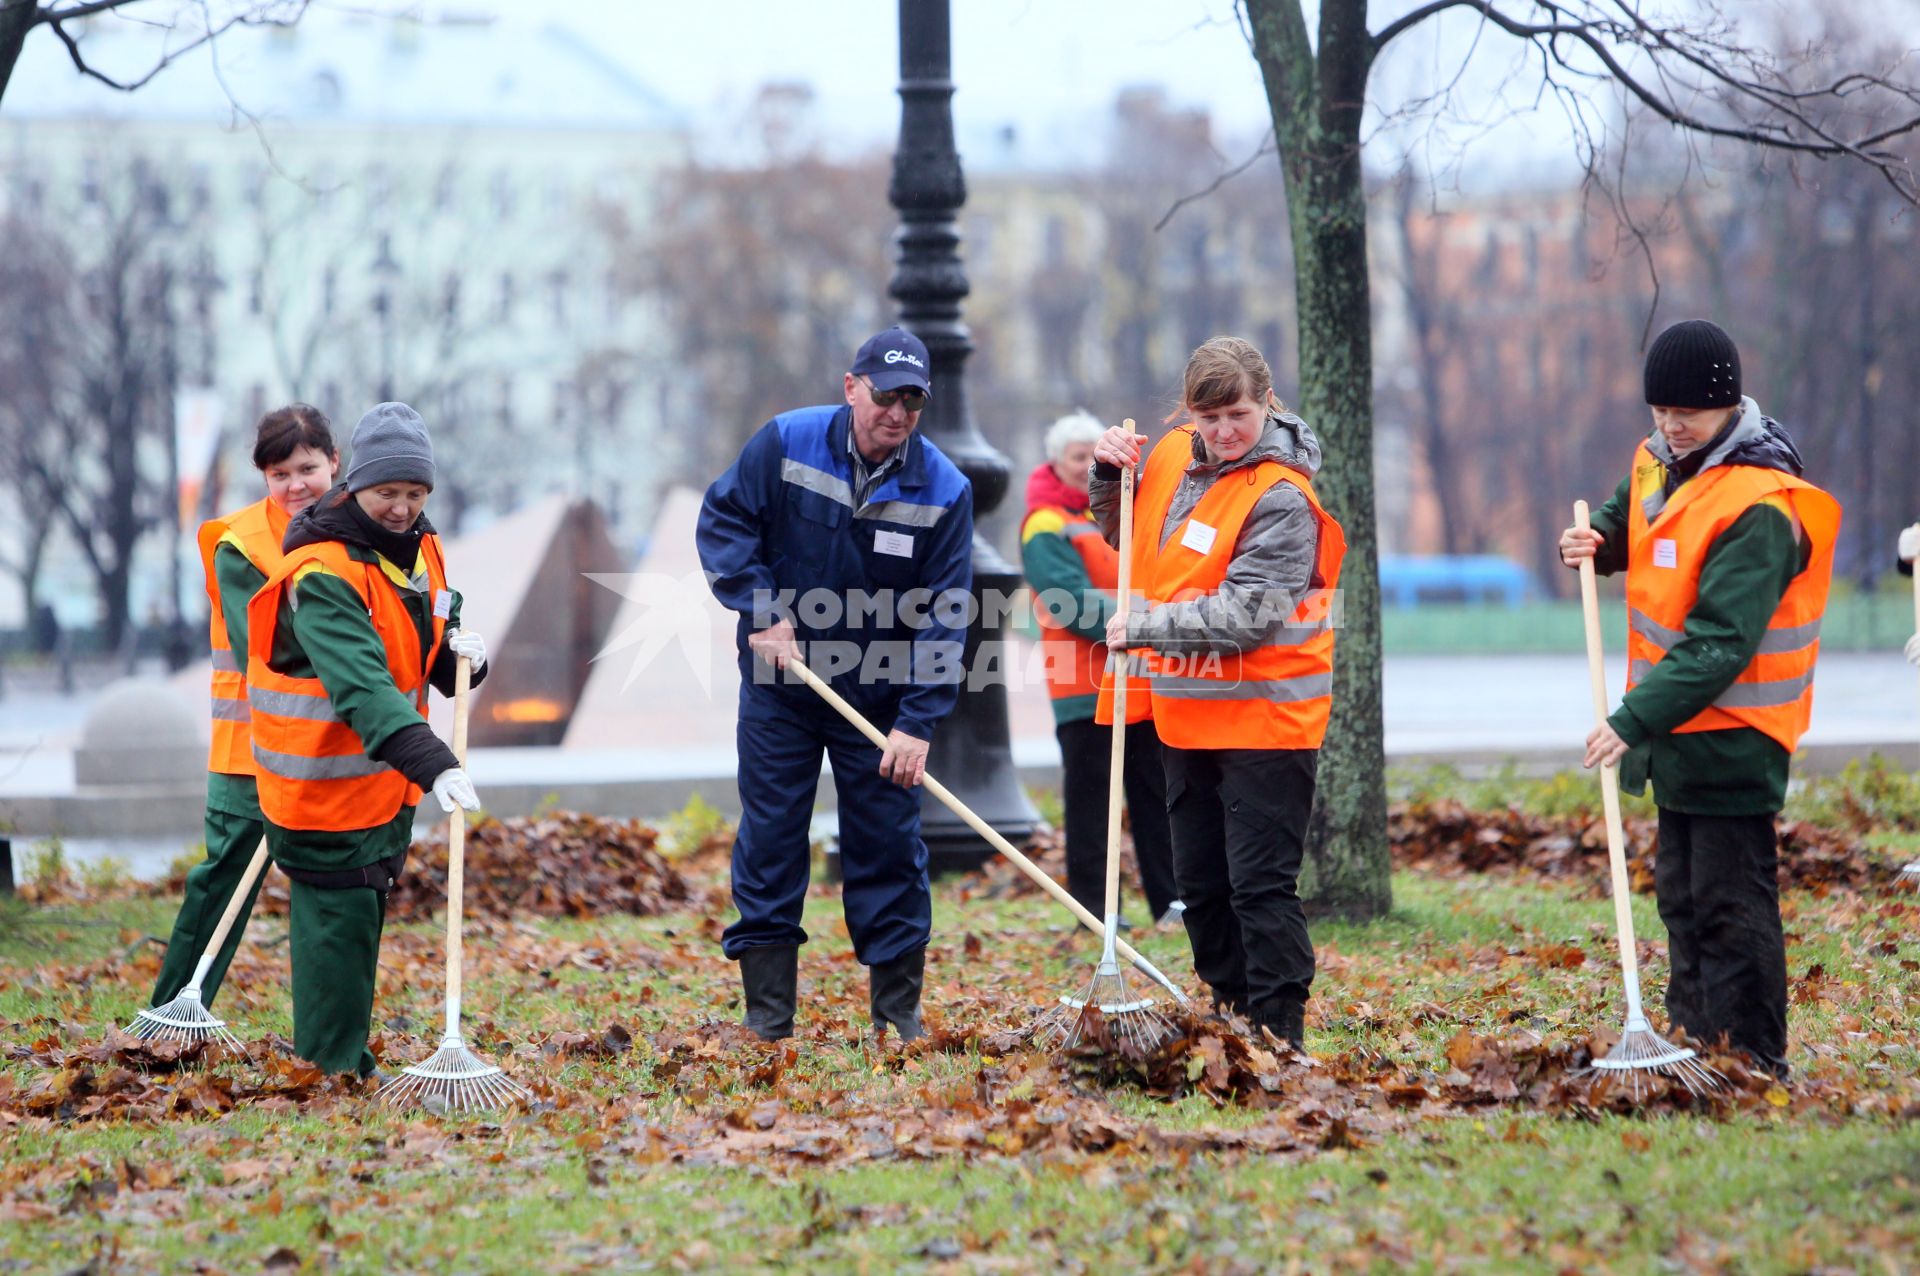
(844, 540)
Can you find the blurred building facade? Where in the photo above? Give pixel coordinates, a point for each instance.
(391, 207)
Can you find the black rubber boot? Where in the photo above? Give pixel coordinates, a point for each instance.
(1287, 1020)
(771, 978)
(894, 995)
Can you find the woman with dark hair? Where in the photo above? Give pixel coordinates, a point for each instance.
(344, 639)
(294, 451)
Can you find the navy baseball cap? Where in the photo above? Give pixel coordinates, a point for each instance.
(893, 359)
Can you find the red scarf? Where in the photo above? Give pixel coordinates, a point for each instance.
(1044, 487)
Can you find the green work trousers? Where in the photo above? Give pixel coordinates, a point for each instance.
(336, 952)
(335, 942)
(231, 841)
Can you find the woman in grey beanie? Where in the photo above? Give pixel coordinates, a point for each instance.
(344, 639)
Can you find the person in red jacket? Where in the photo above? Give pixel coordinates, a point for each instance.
(1073, 573)
(1908, 548)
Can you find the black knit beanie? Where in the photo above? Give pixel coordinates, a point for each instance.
(1693, 364)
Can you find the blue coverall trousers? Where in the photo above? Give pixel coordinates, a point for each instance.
(883, 861)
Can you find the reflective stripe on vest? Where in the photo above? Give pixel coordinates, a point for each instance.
(1785, 638)
(1277, 696)
(313, 768)
(259, 529)
(1280, 691)
(344, 766)
(225, 710)
(1668, 540)
(295, 704)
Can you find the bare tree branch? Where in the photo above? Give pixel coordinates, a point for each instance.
(53, 13)
(1700, 62)
(1407, 22)
(1266, 148)
(261, 15)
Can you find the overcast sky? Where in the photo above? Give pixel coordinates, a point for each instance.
(1048, 68)
(1041, 64)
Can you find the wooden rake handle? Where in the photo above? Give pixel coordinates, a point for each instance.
(1033, 871)
(457, 844)
(1610, 773)
(1117, 764)
(255, 867)
(228, 918)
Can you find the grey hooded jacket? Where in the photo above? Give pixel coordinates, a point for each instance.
(1272, 564)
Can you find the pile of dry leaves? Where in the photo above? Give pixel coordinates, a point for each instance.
(124, 1077)
(1448, 837)
(563, 864)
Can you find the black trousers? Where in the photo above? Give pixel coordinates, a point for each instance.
(1239, 820)
(1086, 752)
(1716, 878)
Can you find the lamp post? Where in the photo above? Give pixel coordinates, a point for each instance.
(972, 751)
(385, 272)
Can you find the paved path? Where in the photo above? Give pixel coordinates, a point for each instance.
(1472, 710)
(1436, 703)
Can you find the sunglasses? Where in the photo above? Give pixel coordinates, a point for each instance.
(911, 397)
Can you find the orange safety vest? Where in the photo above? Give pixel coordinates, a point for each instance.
(314, 772)
(1073, 663)
(1274, 697)
(1668, 539)
(259, 529)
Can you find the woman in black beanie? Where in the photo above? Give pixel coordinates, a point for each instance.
(1728, 554)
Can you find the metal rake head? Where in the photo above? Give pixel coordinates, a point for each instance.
(1642, 1052)
(1910, 873)
(454, 1080)
(1109, 1011)
(185, 1019)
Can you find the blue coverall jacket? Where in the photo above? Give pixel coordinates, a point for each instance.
(877, 592)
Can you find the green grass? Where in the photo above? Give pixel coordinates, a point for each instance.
(1513, 1195)
(357, 1188)
(1854, 621)
(1871, 798)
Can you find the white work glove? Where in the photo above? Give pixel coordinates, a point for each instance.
(1913, 650)
(464, 642)
(453, 788)
(1909, 548)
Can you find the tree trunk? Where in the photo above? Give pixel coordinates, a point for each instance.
(16, 19)
(26, 572)
(1316, 106)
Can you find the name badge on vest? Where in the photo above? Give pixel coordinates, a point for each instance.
(442, 603)
(1198, 537)
(1666, 553)
(898, 544)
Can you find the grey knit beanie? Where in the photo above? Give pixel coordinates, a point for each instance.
(390, 445)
